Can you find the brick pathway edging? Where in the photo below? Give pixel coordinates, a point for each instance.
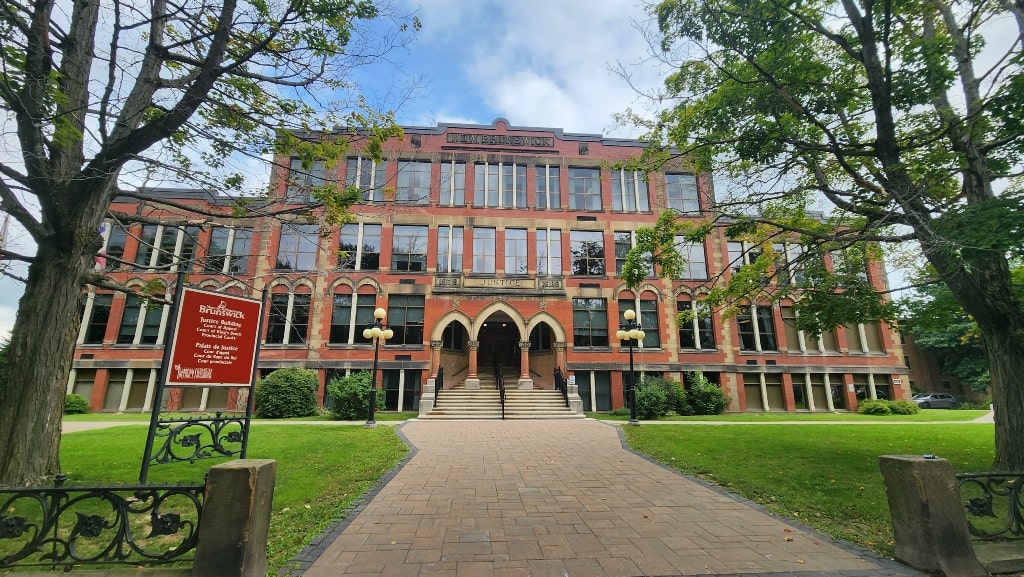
(310, 553)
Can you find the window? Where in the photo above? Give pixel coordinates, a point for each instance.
(584, 189)
(98, 315)
(742, 254)
(789, 270)
(229, 251)
(368, 176)
(350, 314)
(790, 329)
(298, 248)
(289, 319)
(760, 335)
(449, 249)
(696, 266)
(587, 250)
(140, 323)
(164, 247)
(499, 185)
(405, 315)
(624, 242)
(483, 250)
(453, 184)
(548, 193)
(359, 247)
(409, 248)
(549, 251)
(647, 319)
(589, 323)
(629, 191)
(115, 244)
(698, 332)
(681, 192)
(515, 251)
(413, 185)
(303, 178)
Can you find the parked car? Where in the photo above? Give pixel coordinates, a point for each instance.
(936, 401)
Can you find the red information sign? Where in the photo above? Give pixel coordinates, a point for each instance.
(214, 340)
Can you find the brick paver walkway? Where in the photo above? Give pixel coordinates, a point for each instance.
(563, 498)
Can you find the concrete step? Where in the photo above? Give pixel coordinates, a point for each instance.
(462, 403)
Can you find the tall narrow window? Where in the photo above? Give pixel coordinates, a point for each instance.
(449, 249)
(359, 246)
(288, 319)
(649, 321)
(413, 185)
(681, 192)
(484, 251)
(229, 251)
(405, 314)
(140, 323)
(548, 192)
(549, 251)
(115, 245)
(587, 250)
(757, 329)
(623, 244)
(697, 332)
(298, 247)
(515, 251)
(696, 265)
(99, 315)
(589, 322)
(585, 189)
(350, 314)
(303, 178)
(499, 185)
(409, 248)
(629, 191)
(453, 184)
(368, 175)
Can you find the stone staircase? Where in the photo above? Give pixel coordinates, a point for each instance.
(459, 402)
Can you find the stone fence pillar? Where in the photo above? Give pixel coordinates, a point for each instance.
(235, 519)
(928, 519)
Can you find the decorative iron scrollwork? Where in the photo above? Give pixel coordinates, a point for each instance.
(193, 438)
(61, 527)
(993, 502)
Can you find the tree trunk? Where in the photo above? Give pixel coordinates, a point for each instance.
(1005, 348)
(39, 358)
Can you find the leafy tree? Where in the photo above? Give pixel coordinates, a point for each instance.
(104, 93)
(904, 119)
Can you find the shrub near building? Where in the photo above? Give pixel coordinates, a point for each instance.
(288, 392)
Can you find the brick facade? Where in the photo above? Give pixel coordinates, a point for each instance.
(485, 244)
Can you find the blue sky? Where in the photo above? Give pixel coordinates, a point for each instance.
(535, 63)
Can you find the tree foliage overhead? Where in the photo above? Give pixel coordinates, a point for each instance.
(100, 96)
(903, 120)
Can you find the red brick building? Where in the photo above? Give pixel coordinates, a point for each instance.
(485, 244)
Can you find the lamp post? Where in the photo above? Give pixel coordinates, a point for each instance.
(377, 331)
(631, 332)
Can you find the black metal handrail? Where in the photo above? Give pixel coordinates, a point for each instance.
(438, 383)
(993, 503)
(562, 384)
(500, 380)
(61, 527)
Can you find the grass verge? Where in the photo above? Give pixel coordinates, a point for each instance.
(925, 416)
(829, 480)
(321, 471)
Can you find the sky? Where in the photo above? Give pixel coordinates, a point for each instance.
(535, 63)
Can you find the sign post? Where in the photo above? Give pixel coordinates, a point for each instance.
(213, 342)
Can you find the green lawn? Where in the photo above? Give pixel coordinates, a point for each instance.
(321, 470)
(825, 476)
(926, 415)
